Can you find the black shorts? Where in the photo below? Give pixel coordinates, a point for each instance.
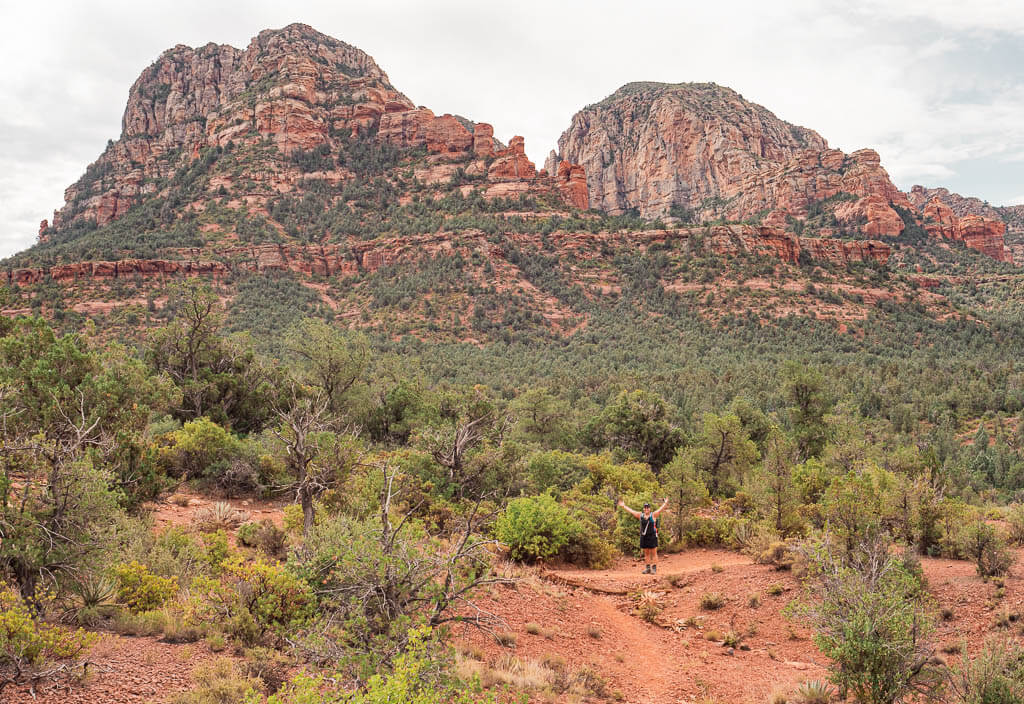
(649, 541)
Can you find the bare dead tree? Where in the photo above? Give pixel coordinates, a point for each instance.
(313, 438)
(393, 576)
(451, 444)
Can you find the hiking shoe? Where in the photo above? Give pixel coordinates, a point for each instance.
(647, 569)
(654, 569)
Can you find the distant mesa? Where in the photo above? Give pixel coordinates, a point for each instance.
(272, 121)
(702, 149)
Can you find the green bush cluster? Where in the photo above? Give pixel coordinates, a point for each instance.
(26, 642)
(255, 601)
(535, 528)
(141, 590)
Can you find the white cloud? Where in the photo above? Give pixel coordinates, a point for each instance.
(930, 84)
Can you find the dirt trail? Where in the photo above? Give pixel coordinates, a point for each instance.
(645, 663)
(128, 670)
(627, 575)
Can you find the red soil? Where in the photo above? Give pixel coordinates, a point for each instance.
(673, 662)
(124, 670)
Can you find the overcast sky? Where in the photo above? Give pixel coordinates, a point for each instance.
(936, 86)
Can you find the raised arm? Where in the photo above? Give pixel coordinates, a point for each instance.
(622, 504)
(662, 507)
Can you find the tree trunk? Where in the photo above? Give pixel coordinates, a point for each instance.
(306, 500)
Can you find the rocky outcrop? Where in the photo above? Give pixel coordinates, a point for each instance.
(939, 219)
(483, 139)
(984, 234)
(774, 241)
(572, 184)
(730, 240)
(921, 197)
(704, 148)
(843, 252)
(311, 260)
(446, 134)
(512, 163)
(872, 214)
(295, 87)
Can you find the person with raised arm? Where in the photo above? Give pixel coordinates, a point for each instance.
(648, 533)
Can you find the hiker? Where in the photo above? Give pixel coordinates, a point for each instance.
(648, 533)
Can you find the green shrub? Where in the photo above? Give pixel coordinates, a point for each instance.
(220, 682)
(248, 533)
(587, 547)
(873, 619)
(1015, 519)
(419, 676)
(200, 449)
(172, 552)
(814, 692)
(712, 601)
(143, 623)
(26, 643)
(141, 590)
(93, 598)
(699, 531)
(255, 601)
(264, 535)
(995, 676)
(987, 548)
(216, 549)
(535, 527)
(178, 629)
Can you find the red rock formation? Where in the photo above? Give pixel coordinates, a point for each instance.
(872, 214)
(404, 128)
(776, 218)
(572, 184)
(765, 241)
(25, 276)
(293, 85)
(483, 139)
(921, 197)
(373, 260)
(984, 235)
(512, 163)
(446, 134)
(701, 146)
(842, 252)
(939, 219)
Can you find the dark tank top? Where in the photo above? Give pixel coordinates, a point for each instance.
(648, 523)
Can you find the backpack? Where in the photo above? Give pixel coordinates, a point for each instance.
(652, 521)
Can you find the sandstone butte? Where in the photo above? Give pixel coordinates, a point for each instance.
(300, 89)
(699, 147)
(658, 149)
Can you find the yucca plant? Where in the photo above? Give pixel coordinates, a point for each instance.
(815, 692)
(219, 515)
(93, 598)
(649, 606)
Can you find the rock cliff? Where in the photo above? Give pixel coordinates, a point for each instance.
(292, 90)
(701, 147)
(298, 154)
(701, 151)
